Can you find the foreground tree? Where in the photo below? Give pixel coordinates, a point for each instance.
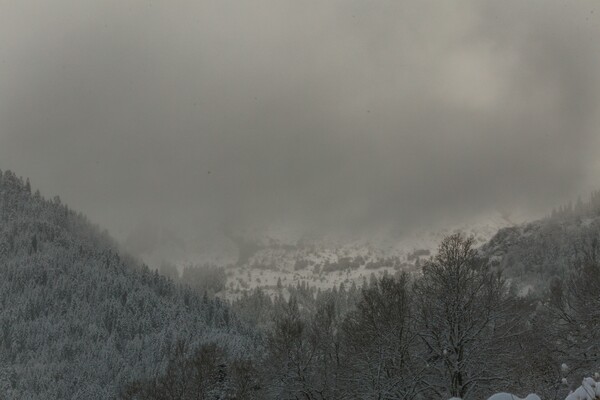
(290, 354)
(380, 340)
(304, 357)
(203, 374)
(467, 320)
(574, 307)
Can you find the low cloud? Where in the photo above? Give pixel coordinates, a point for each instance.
(318, 116)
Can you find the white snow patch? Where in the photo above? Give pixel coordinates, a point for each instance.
(508, 396)
(589, 390)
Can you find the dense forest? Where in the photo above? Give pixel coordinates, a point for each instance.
(80, 319)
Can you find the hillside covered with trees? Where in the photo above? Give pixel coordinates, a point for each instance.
(535, 254)
(79, 319)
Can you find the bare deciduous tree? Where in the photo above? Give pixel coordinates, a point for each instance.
(466, 320)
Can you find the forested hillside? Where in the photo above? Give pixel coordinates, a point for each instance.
(535, 253)
(456, 329)
(80, 321)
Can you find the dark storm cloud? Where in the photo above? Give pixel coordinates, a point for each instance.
(329, 115)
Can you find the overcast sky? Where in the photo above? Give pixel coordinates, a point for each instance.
(318, 115)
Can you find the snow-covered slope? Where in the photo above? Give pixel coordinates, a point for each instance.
(274, 259)
(327, 262)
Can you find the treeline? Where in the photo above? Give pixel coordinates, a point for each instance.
(580, 208)
(456, 329)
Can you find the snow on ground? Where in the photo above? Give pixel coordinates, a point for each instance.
(325, 262)
(508, 396)
(253, 260)
(589, 390)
